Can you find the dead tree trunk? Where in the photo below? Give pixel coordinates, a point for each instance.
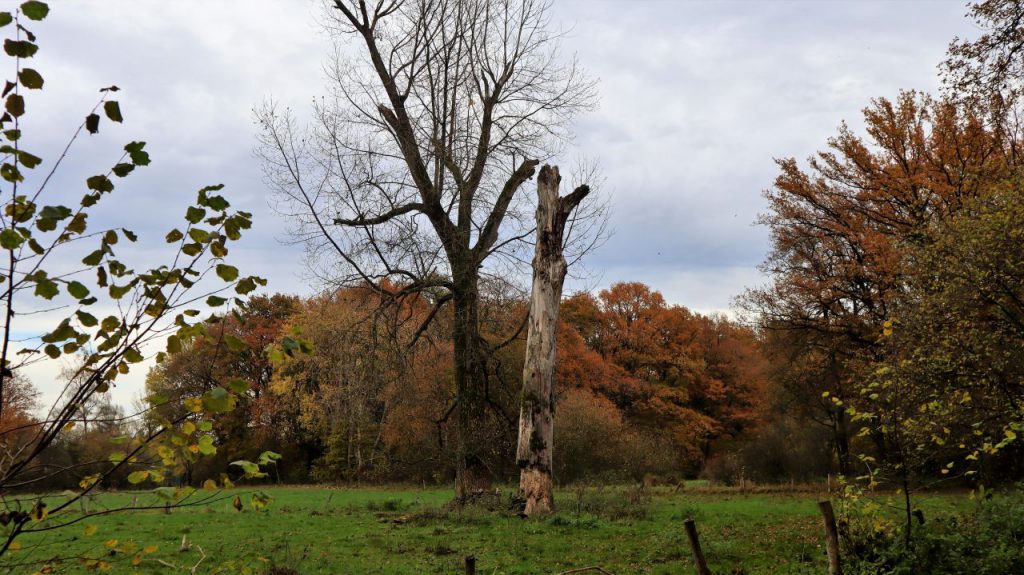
(536, 416)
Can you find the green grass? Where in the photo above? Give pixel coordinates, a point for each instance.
(407, 531)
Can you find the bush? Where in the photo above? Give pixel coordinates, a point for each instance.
(985, 540)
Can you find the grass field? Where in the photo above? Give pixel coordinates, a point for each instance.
(407, 531)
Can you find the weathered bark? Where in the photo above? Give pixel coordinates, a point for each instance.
(471, 475)
(537, 411)
(828, 517)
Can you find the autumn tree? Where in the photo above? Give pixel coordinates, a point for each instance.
(839, 228)
(957, 341)
(233, 355)
(680, 379)
(412, 169)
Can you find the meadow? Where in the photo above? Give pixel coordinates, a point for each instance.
(395, 531)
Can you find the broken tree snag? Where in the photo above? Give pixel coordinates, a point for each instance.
(831, 537)
(537, 409)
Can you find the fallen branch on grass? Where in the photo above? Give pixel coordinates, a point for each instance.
(585, 569)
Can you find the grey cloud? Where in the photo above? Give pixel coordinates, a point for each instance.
(696, 100)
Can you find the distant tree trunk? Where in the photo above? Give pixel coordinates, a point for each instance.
(536, 416)
(471, 475)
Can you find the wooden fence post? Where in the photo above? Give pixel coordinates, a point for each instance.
(470, 565)
(831, 537)
(698, 555)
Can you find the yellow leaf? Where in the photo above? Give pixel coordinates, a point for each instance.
(111, 543)
(150, 549)
(14, 546)
(89, 530)
(39, 511)
(210, 485)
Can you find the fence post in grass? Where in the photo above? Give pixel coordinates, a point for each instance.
(831, 537)
(698, 556)
(470, 565)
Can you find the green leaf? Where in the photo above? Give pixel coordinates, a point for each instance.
(11, 173)
(55, 212)
(77, 224)
(86, 319)
(246, 285)
(39, 511)
(250, 469)
(46, 288)
(118, 292)
(110, 323)
(173, 344)
(174, 236)
(239, 386)
(206, 425)
(35, 10)
(217, 248)
(52, 351)
(137, 477)
(100, 183)
(10, 239)
(113, 111)
(20, 48)
(268, 457)
(199, 235)
(227, 273)
(132, 355)
(28, 160)
(5, 18)
(194, 215)
(30, 79)
(206, 446)
(15, 105)
(123, 169)
(137, 154)
(77, 290)
(215, 301)
(92, 123)
(218, 400)
(93, 258)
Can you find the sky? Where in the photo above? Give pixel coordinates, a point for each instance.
(697, 98)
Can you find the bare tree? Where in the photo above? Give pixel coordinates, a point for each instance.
(993, 63)
(409, 175)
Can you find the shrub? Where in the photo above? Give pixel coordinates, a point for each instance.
(987, 539)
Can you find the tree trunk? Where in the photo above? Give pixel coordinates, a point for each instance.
(471, 475)
(537, 410)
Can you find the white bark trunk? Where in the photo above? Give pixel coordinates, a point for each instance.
(537, 411)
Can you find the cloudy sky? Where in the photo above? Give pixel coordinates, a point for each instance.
(697, 98)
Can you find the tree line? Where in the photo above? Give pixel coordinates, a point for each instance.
(646, 389)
